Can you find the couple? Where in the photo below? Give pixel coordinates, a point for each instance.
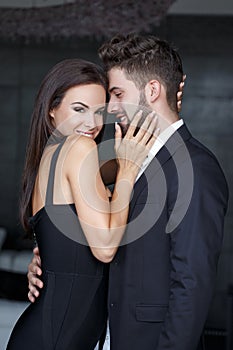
(161, 278)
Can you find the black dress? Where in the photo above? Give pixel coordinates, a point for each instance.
(71, 312)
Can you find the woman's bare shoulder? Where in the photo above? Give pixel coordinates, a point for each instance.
(79, 146)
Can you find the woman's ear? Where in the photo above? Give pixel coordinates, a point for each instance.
(152, 90)
(51, 113)
(52, 116)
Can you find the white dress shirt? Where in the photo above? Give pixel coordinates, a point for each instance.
(159, 143)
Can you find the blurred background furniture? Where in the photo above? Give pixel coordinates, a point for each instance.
(230, 319)
(13, 287)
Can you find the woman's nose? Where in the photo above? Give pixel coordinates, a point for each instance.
(90, 121)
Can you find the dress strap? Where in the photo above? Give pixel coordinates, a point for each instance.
(50, 186)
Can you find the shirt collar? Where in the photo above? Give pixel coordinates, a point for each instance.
(159, 143)
(164, 137)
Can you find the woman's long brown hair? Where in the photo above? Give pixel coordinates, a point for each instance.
(64, 75)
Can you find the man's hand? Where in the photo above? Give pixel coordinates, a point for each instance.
(180, 94)
(34, 270)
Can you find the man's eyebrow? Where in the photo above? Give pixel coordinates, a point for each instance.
(113, 88)
(81, 103)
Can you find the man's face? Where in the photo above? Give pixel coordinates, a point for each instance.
(124, 97)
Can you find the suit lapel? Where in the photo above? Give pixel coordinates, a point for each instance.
(166, 152)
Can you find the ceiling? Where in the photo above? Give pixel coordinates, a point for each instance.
(202, 7)
(199, 7)
(30, 3)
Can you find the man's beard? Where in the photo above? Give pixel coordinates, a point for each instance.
(142, 105)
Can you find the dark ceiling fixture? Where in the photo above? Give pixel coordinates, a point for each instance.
(80, 18)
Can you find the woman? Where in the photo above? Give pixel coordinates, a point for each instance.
(66, 205)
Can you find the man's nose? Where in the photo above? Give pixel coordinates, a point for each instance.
(113, 107)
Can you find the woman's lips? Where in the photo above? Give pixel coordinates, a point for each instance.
(85, 133)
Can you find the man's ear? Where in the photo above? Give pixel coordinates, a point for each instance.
(152, 90)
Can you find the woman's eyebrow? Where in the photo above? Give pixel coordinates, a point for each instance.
(81, 103)
(101, 107)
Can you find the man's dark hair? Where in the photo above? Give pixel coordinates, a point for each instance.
(143, 59)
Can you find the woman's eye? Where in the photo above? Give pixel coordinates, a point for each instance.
(118, 94)
(100, 112)
(79, 109)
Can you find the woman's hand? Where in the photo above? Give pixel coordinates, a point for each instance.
(180, 93)
(34, 270)
(133, 149)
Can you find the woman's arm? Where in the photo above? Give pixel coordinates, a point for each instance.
(103, 221)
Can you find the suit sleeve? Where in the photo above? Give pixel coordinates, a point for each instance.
(195, 246)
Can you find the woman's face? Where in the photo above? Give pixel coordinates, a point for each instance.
(81, 111)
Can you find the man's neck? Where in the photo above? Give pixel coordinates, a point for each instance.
(166, 118)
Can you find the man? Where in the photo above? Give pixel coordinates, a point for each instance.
(162, 277)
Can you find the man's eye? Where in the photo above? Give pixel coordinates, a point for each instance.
(118, 94)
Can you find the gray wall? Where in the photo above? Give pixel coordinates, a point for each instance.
(205, 44)
(206, 47)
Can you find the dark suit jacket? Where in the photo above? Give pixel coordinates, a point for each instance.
(161, 283)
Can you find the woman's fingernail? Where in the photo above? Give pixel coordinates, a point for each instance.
(115, 126)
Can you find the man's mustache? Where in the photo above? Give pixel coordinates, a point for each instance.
(124, 124)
